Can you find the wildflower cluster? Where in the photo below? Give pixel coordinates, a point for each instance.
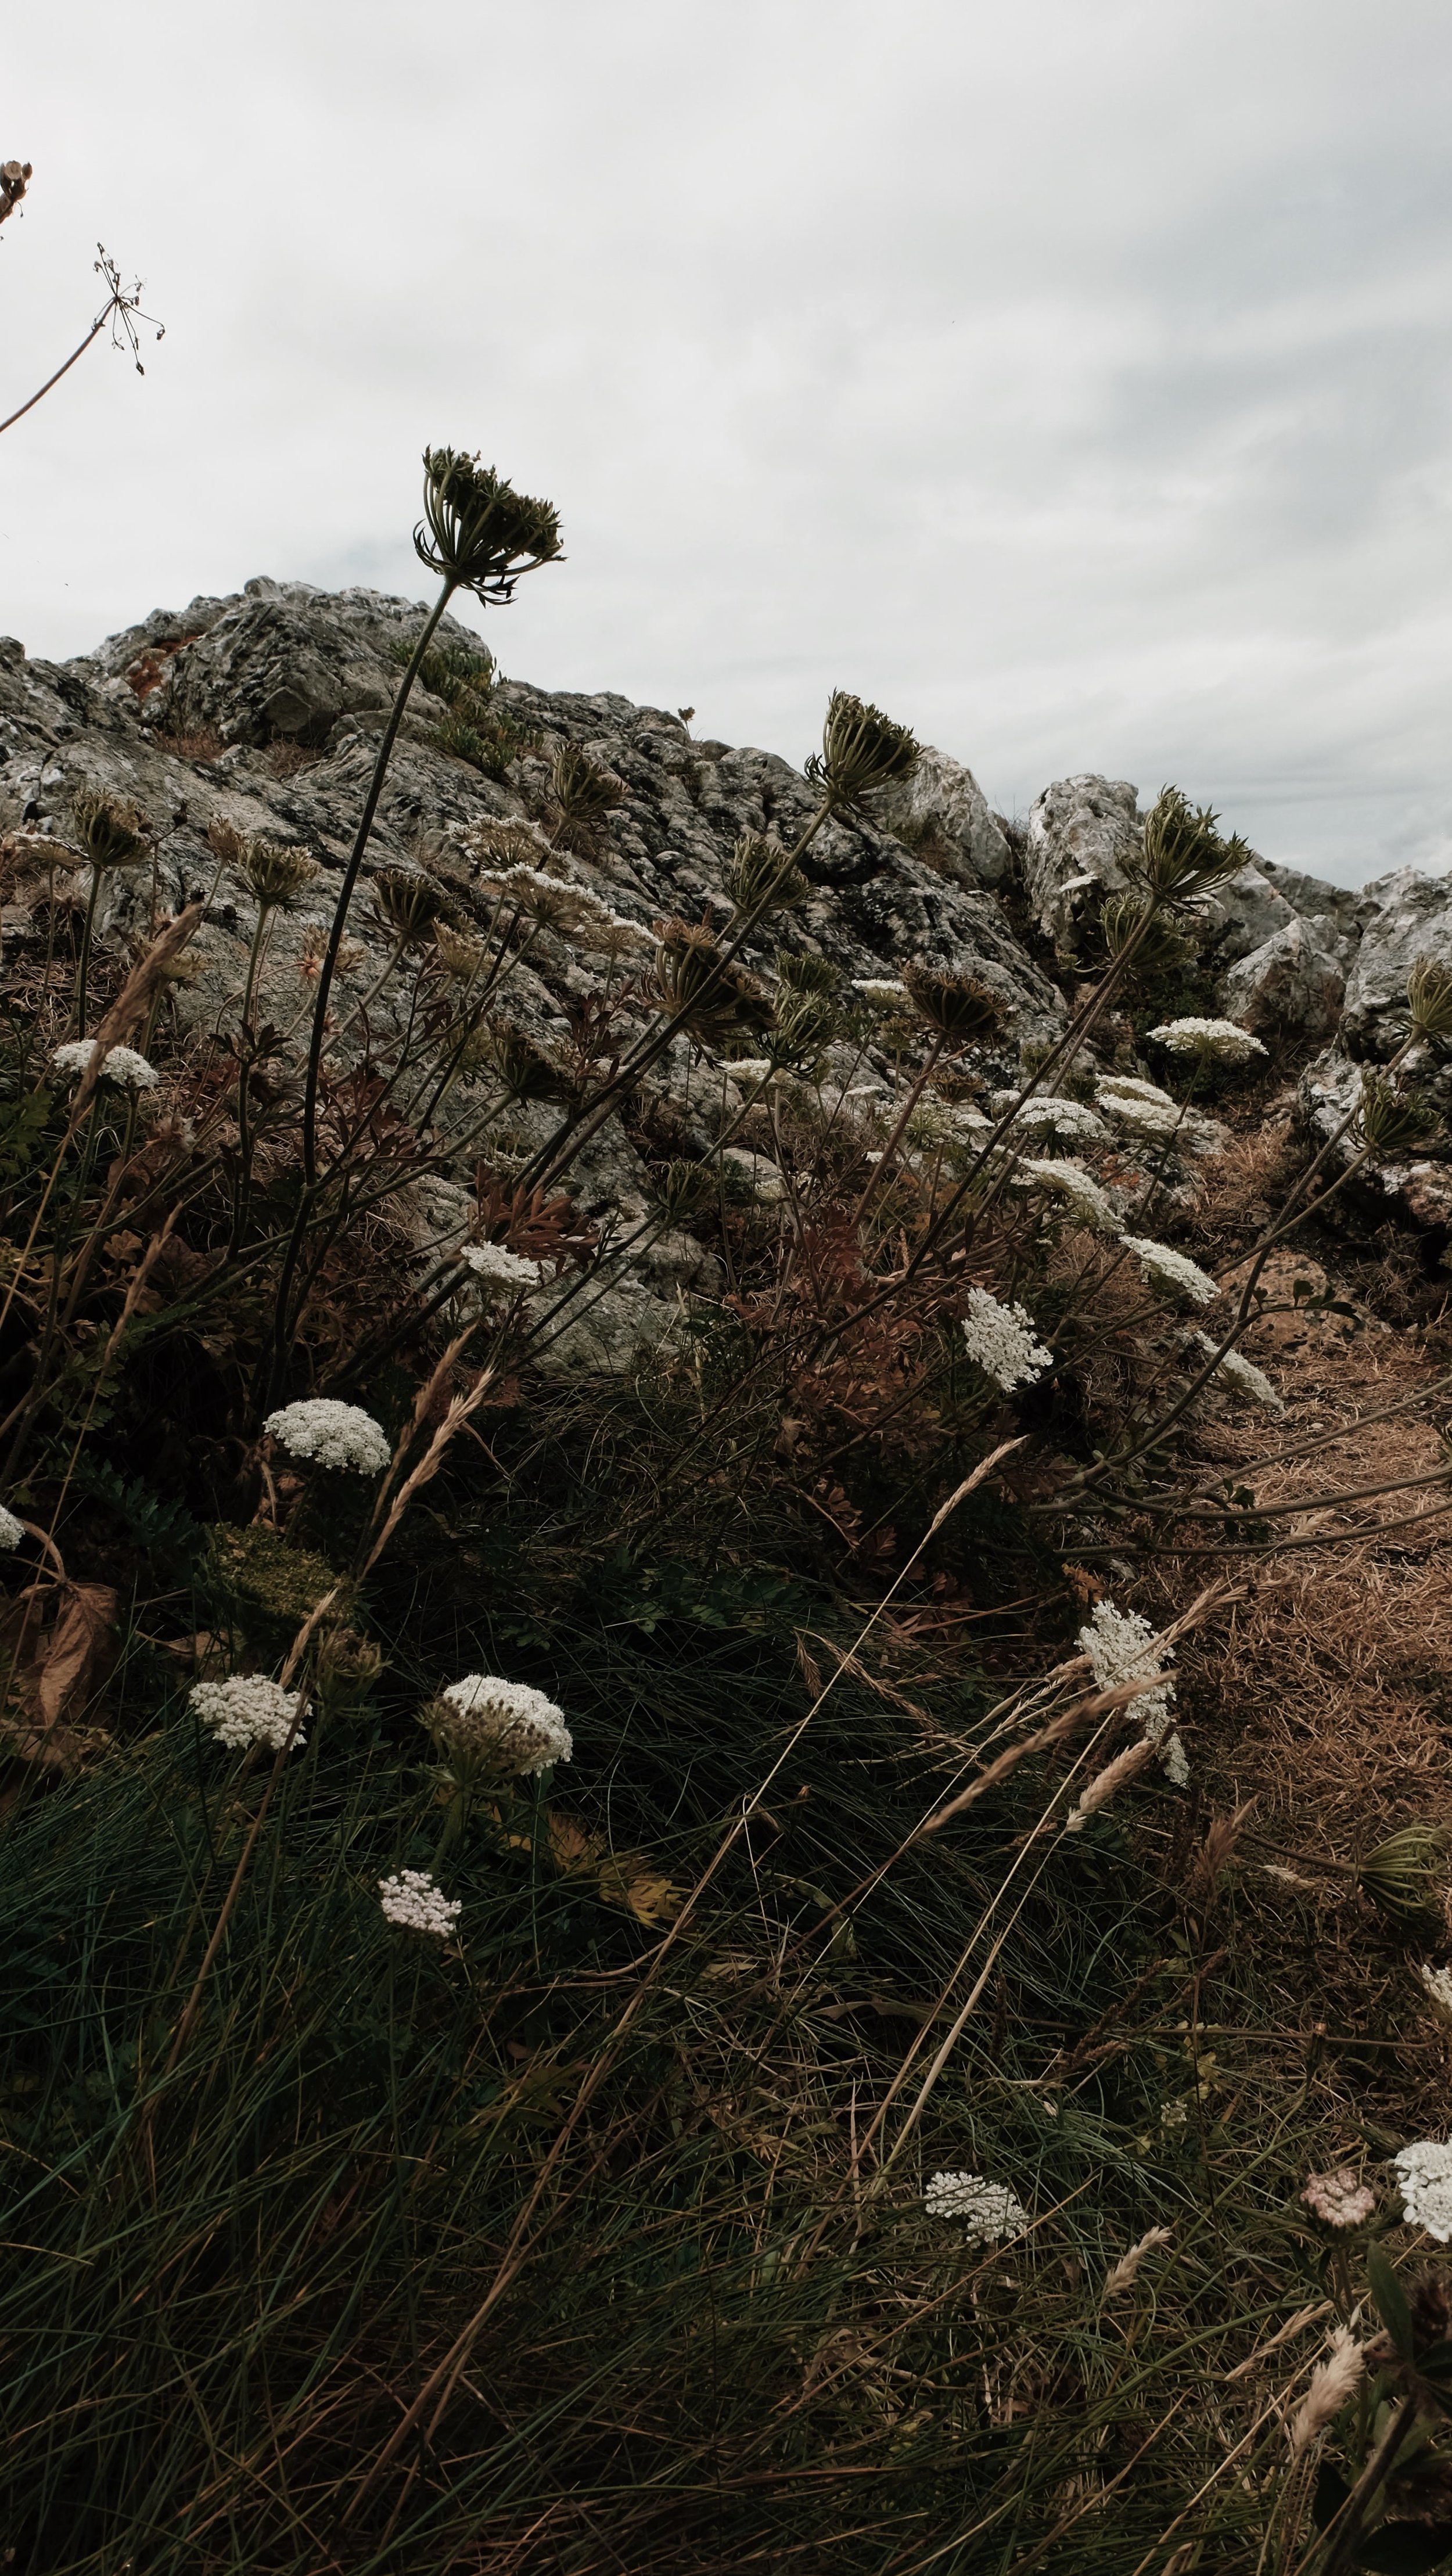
(1045, 1112)
(1171, 1269)
(247, 1710)
(1123, 1647)
(1340, 2199)
(1087, 1203)
(120, 1064)
(11, 1530)
(1424, 2179)
(413, 1901)
(988, 2210)
(495, 1262)
(1222, 1041)
(330, 1434)
(1001, 1341)
(509, 1725)
(1243, 1375)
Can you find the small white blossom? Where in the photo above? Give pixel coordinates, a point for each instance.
(495, 1261)
(1145, 1117)
(413, 1900)
(512, 1723)
(1069, 1181)
(247, 1710)
(11, 1530)
(1172, 1269)
(120, 1064)
(1045, 1111)
(1001, 1340)
(331, 1435)
(1175, 1762)
(1112, 1088)
(988, 2210)
(881, 990)
(1123, 1647)
(1438, 1982)
(1244, 1376)
(1424, 2179)
(1224, 1040)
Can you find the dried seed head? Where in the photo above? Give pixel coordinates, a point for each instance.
(408, 902)
(1429, 998)
(761, 877)
(1184, 854)
(1391, 1122)
(1400, 1875)
(111, 832)
(275, 872)
(862, 749)
(959, 1007)
(477, 531)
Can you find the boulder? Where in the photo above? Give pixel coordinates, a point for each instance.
(1287, 984)
(1083, 833)
(286, 661)
(1400, 918)
(942, 814)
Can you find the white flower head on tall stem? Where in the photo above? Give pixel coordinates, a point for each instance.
(327, 1433)
(1123, 1647)
(1087, 1203)
(417, 1904)
(247, 1710)
(12, 1531)
(120, 1064)
(987, 2211)
(1000, 1340)
(1222, 1041)
(508, 1727)
(1243, 1375)
(1424, 2179)
(1170, 1269)
(1044, 1113)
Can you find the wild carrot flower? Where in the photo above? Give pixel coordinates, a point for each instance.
(330, 1434)
(1044, 1111)
(1332, 2382)
(121, 1064)
(247, 1710)
(881, 991)
(1112, 1088)
(1001, 1341)
(413, 1900)
(1146, 1117)
(1222, 1040)
(1438, 1981)
(503, 1268)
(1171, 1269)
(1086, 1201)
(988, 2210)
(1244, 1376)
(1341, 2198)
(11, 1531)
(1123, 1647)
(1424, 2179)
(510, 1725)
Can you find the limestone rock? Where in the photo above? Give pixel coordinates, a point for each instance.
(1287, 984)
(1082, 833)
(942, 814)
(1400, 918)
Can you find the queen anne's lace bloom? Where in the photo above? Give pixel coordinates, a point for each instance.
(1123, 1647)
(1074, 1120)
(1146, 1117)
(1243, 1375)
(331, 1435)
(1424, 2178)
(1001, 1340)
(988, 2210)
(11, 1531)
(1070, 1182)
(495, 1261)
(1340, 2199)
(1112, 1088)
(121, 1064)
(1438, 1982)
(1224, 1040)
(1172, 1269)
(879, 989)
(415, 1901)
(509, 1724)
(247, 1710)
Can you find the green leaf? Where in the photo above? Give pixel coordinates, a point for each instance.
(1391, 2301)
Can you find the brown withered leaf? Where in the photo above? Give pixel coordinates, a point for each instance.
(60, 1664)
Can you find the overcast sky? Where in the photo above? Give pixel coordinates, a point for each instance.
(1072, 376)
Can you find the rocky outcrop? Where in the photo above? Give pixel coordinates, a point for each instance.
(1083, 833)
(943, 815)
(1287, 984)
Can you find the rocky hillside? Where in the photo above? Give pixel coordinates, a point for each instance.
(261, 711)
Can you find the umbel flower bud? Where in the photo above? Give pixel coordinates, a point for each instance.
(960, 1008)
(861, 749)
(1158, 945)
(408, 902)
(1183, 852)
(476, 530)
(713, 994)
(760, 877)
(111, 832)
(1399, 1875)
(1429, 998)
(1391, 1122)
(275, 872)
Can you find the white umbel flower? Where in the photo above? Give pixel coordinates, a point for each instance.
(880, 990)
(1424, 2179)
(1001, 1341)
(1171, 1269)
(1223, 1040)
(1438, 1982)
(247, 1710)
(413, 1900)
(1243, 1375)
(988, 2210)
(11, 1530)
(511, 1724)
(1045, 1113)
(1112, 1088)
(495, 1262)
(1123, 1647)
(121, 1064)
(1144, 1117)
(331, 1434)
(1085, 1199)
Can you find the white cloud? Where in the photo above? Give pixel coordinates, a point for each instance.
(1073, 379)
